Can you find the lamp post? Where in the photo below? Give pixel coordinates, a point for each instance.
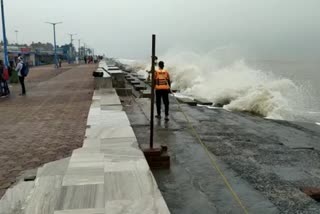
(55, 44)
(16, 31)
(85, 49)
(5, 41)
(71, 45)
(79, 51)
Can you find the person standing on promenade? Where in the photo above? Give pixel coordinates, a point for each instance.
(162, 87)
(4, 76)
(21, 69)
(60, 62)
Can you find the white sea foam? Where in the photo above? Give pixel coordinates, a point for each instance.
(235, 84)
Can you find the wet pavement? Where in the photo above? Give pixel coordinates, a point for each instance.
(265, 161)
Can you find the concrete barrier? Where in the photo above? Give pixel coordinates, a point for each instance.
(102, 82)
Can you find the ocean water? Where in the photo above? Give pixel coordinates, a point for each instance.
(275, 89)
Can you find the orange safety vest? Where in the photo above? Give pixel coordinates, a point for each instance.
(162, 79)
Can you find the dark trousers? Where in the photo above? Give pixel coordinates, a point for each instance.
(21, 80)
(4, 88)
(164, 94)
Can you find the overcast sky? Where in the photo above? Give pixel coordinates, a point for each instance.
(267, 29)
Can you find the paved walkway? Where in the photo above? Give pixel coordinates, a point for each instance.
(47, 124)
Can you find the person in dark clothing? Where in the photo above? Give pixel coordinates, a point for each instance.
(21, 76)
(162, 87)
(4, 76)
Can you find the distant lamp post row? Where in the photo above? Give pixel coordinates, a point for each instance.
(5, 41)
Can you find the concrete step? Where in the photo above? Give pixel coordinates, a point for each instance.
(145, 93)
(187, 101)
(136, 82)
(140, 87)
(203, 101)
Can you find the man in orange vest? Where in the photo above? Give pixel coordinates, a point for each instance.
(162, 87)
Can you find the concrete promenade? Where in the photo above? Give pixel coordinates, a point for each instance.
(47, 124)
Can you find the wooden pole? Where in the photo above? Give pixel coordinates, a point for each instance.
(153, 58)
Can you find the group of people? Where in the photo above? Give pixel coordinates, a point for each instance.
(89, 59)
(92, 59)
(22, 70)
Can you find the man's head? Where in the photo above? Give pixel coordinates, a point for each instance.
(20, 58)
(161, 64)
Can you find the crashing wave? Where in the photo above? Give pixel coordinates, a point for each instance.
(234, 85)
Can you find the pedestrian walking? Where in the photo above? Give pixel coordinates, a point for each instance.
(23, 70)
(162, 87)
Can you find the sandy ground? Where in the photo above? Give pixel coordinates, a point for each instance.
(48, 123)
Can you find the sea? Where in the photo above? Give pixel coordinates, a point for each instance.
(274, 89)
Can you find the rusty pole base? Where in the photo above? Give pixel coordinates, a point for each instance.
(312, 192)
(157, 157)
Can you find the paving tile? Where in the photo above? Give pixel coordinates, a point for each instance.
(146, 205)
(54, 168)
(15, 197)
(107, 143)
(81, 211)
(110, 99)
(85, 151)
(96, 98)
(95, 103)
(81, 197)
(44, 196)
(104, 92)
(121, 158)
(111, 141)
(94, 111)
(108, 118)
(123, 151)
(85, 169)
(132, 165)
(120, 132)
(84, 165)
(86, 157)
(69, 180)
(91, 143)
(129, 185)
(111, 107)
(102, 132)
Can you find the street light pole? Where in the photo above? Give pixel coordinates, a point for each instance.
(16, 31)
(79, 54)
(85, 49)
(71, 45)
(55, 43)
(5, 41)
